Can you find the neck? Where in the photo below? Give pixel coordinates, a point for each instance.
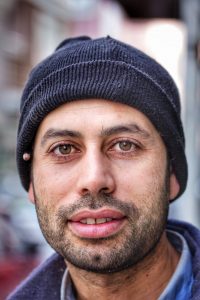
(146, 280)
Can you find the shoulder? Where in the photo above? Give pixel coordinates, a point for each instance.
(192, 236)
(43, 283)
(189, 231)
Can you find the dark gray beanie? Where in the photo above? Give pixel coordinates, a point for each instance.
(83, 68)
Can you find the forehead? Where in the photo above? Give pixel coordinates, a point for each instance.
(95, 114)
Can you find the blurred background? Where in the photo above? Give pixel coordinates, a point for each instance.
(168, 30)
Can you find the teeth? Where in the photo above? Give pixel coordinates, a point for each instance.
(108, 219)
(91, 221)
(83, 221)
(99, 221)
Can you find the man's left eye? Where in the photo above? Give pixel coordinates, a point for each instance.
(125, 146)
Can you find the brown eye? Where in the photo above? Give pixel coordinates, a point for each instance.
(126, 145)
(64, 149)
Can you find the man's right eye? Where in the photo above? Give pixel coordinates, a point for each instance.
(64, 149)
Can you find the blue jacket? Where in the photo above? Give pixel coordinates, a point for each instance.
(45, 281)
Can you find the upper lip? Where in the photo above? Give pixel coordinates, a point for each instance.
(105, 213)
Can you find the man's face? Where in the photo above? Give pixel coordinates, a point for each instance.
(101, 184)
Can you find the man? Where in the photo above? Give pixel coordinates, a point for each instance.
(101, 153)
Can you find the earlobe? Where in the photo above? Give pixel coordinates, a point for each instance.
(174, 186)
(31, 193)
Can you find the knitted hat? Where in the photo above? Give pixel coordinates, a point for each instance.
(104, 68)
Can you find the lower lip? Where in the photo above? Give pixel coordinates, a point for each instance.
(97, 230)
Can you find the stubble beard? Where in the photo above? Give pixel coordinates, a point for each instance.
(138, 238)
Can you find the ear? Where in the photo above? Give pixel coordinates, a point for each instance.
(174, 186)
(31, 193)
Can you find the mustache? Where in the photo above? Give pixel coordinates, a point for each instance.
(128, 208)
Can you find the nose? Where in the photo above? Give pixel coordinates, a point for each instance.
(95, 175)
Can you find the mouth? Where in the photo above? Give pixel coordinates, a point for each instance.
(96, 224)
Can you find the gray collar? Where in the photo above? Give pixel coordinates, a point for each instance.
(66, 292)
(180, 285)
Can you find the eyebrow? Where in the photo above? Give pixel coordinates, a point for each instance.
(129, 128)
(54, 133)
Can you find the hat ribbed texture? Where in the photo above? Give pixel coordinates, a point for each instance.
(82, 68)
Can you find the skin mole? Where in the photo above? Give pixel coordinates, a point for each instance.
(97, 258)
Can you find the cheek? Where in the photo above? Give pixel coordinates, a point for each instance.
(53, 185)
(140, 180)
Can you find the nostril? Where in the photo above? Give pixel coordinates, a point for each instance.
(105, 190)
(85, 191)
